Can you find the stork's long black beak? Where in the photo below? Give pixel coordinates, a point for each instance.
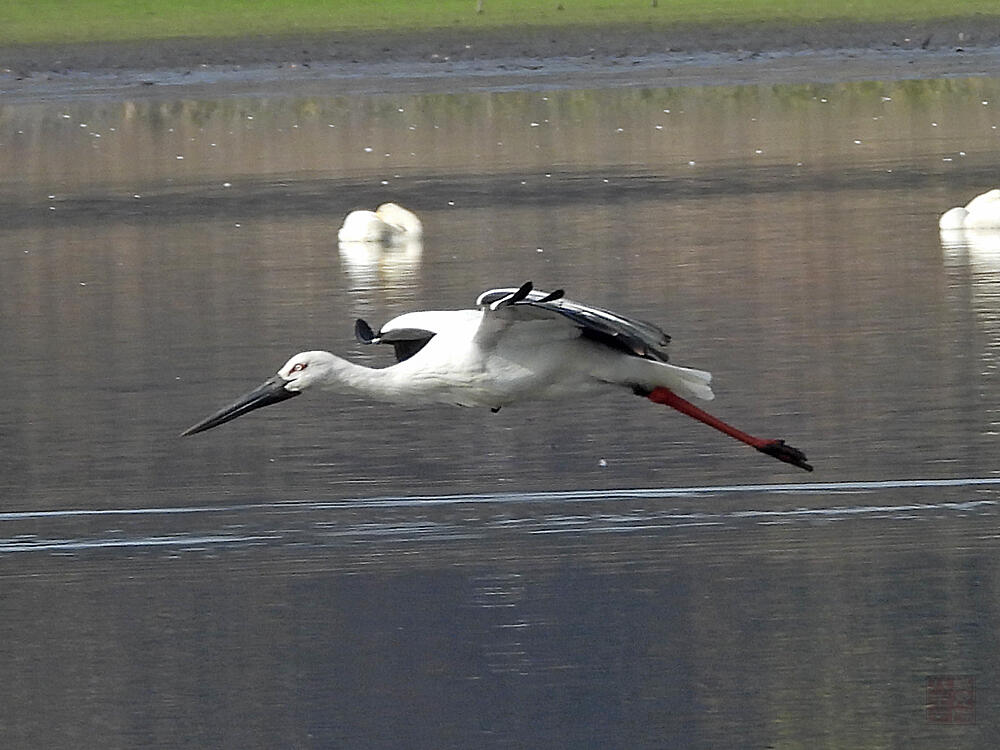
(270, 392)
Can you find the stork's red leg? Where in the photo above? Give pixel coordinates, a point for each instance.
(774, 448)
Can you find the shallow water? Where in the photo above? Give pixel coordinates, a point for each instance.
(337, 573)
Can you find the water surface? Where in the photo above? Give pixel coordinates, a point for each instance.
(336, 573)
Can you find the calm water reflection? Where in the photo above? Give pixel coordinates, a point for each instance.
(233, 590)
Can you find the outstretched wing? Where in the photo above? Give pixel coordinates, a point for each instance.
(632, 336)
(405, 341)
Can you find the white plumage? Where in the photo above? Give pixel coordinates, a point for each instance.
(982, 212)
(388, 223)
(517, 345)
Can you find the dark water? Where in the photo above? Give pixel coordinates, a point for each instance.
(335, 573)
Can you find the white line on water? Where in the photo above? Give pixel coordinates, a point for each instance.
(151, 541)
(521, 497)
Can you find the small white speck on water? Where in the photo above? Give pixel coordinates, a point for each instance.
(384, 182)
(857, 142)
(619, 130)
(237, 225)
(65, 117)
(451, 203)
(83, 283)
(602, 463)
(666, 111)
(539, 250)
(52, 197)
(227, 184)
(534, 125)
(180, 158)
(934, 124)
(368, 149)
(691, 163)
(758, 151)
(658, 127)
(887, 98)
(249, 117)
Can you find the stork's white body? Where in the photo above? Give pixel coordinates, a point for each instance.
(528, 360)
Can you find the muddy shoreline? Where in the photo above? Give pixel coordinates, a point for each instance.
(503, 59)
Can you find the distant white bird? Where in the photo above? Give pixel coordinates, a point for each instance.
(982, 212)
(388, 223)
(518, 345)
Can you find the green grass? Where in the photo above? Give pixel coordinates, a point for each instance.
(42, 21)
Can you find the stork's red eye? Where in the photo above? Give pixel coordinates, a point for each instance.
(298, 367)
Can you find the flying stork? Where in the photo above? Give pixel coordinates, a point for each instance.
(517, 345)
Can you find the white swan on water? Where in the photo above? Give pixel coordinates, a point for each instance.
(982, 212)
(388, 223)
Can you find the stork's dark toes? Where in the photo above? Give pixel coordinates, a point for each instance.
(779, 450)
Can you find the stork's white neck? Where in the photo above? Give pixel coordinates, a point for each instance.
(406, 382)
(344, 377)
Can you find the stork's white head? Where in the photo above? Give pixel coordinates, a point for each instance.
(300, 372)
(306, 369)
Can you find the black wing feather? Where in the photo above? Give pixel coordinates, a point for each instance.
(405, 341)
(633, 336)
(363, 332)
(406, 349)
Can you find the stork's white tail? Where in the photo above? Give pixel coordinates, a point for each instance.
(686, 381)
(648, 374)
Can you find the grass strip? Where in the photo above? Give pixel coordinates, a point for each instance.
(69, 21)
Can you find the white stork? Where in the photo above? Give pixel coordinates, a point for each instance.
(518, 345)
